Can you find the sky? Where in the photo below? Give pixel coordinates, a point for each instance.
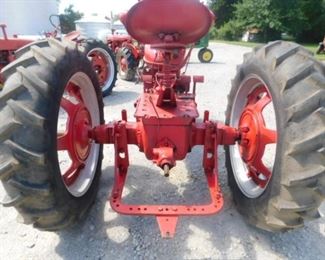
(99, 7)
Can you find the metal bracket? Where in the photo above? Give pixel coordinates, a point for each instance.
(167, 225)
(166, 215)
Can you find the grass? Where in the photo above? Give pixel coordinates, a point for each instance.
(311, 47)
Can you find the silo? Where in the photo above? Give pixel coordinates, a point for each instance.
(94, 27)
(27, 17)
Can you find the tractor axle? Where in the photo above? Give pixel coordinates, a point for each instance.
(165, 154)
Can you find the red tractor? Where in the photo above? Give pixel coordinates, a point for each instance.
(8, 46)
(128, 53)
(51, 107)
(102, 58)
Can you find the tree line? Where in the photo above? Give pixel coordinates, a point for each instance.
(304, 20)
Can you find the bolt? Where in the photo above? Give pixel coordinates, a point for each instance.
(244, 129)
(166, 170)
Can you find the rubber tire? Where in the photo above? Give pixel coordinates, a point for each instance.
(29, 107)
(92, 44)
(131, 61)
(201, 53)
(297, 188)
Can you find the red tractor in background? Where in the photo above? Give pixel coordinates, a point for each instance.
(8, 46)
(128, 53)
(102, 58)
(51, 107)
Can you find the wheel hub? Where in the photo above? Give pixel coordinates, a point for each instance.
(207, 56)
(80, 127)
(249, 127)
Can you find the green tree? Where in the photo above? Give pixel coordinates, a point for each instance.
(223, 9)
(302, 19)
(68, 18)
(313, 29)
(263, 15)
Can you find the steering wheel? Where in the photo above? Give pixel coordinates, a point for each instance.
(57, 27)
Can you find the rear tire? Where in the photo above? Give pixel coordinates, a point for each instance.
(29, 109)
(128, 69)
(296, 82)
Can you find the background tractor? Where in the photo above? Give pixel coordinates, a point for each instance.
(128, 53)
(51, 141)
(205, 54)
(101, 57)
(8, 46)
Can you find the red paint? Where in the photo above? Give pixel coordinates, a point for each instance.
(99, 64)
(166, 129)
(7, 48)
(75, 140)
(255, 135)
(156, 22)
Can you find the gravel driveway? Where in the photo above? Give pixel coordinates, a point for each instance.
(107, 235)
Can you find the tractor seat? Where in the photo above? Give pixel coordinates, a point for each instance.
(170, 22)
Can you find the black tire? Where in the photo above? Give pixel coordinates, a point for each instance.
(297, 187)
(202, 55)
(90, 45)
(20, 52)
(132, 64)
(29, 107)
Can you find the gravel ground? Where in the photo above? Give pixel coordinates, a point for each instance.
(107, 235)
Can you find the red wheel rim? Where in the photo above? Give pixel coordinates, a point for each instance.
(255, 135)
(101, 66)
(75, 139)
(253, 159)
(123, 64)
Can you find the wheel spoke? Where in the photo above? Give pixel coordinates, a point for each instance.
(268, 136)
(260, 173)
(74, 91)
(68, 106)
(262, 103)
(253, 97)
(96, 59)
(72, 173)
(63, 143)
